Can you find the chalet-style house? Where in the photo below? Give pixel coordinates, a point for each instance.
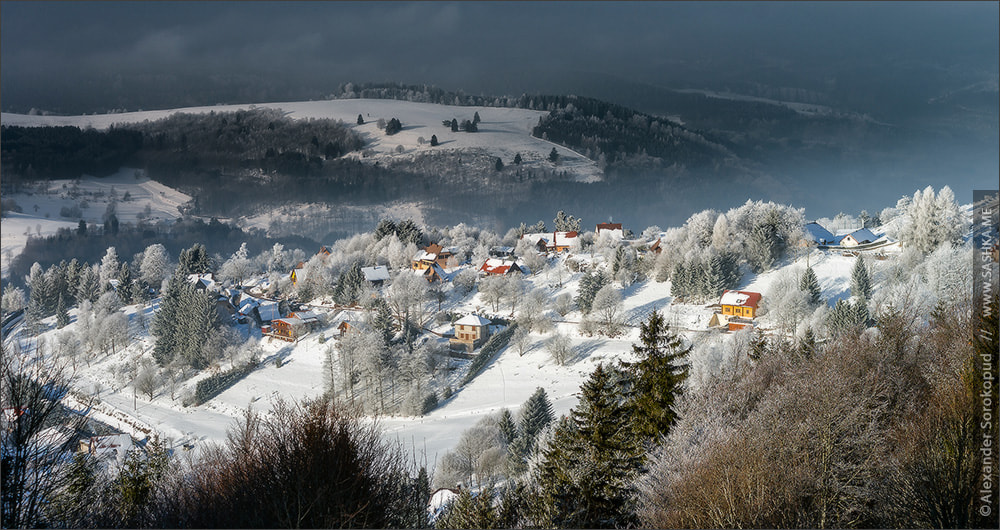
(324, 251)
(288, 328)
(552, 241)
(432, 274)
(500, 267)
(433, 255)
(471, 331)
(376, 275)
(501, 252)
(737, 310)
(613, 229)
(298, 273)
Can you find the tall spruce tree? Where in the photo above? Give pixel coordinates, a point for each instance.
(62, 317)
(536, 414)
(585, 478)
(809, 284)
(656, 380)
(507, 427)
(861, 284)
(165, 324)
(126, 287)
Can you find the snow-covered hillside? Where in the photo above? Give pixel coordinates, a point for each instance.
(503, 132)
(506, 382)
(87, 198)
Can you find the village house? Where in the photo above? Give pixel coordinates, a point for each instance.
(500, 267)
(471, 331)
(376, 275)
(553, 241)
(737, 310)
(433, 254)
(432, 274)
(298, 274)
(858, 237)
(288, 328)
(203, 282)
(613, 229)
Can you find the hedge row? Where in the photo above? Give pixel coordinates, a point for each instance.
(493, 346)
(216, 384)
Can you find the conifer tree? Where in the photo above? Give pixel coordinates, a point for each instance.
(454, 125)
(475, 118)
(517, 159)
(434, 140)
(656, 380)
(809, 284)
(507, 427)
(585, 479)
(536, 414)
(126, 291)
(861, 285)
(498, 165)
(553, 155)
(807, 346)
(62, 317)
(165, 325)
(361, 120)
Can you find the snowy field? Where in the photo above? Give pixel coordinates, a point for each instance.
(43, 205)
(503, 132)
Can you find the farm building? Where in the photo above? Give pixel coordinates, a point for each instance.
(471, 331)
(817, 235)
(857, 237)
(500, 267)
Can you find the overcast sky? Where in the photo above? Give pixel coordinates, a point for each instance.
(53, 50)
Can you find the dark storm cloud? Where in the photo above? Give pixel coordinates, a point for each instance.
(476, 46)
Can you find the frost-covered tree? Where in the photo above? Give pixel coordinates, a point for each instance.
(590, 284)
(62, 316)
(238, 267)
(535, 415)
(154, 266)
(13, 299)
(110, 267)
(559, 348)
(608, 307)
(929, 220)
(566, 223)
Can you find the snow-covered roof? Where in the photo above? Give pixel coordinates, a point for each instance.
(423, 255)
(862, 234)
(306, 316)
(472, 320)
(501, 266)
(300, 274)
(375, 274)
(819, 234)
(740, 298)
(268, 310)
(552, 239)
(439, 501)
(204, 279)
